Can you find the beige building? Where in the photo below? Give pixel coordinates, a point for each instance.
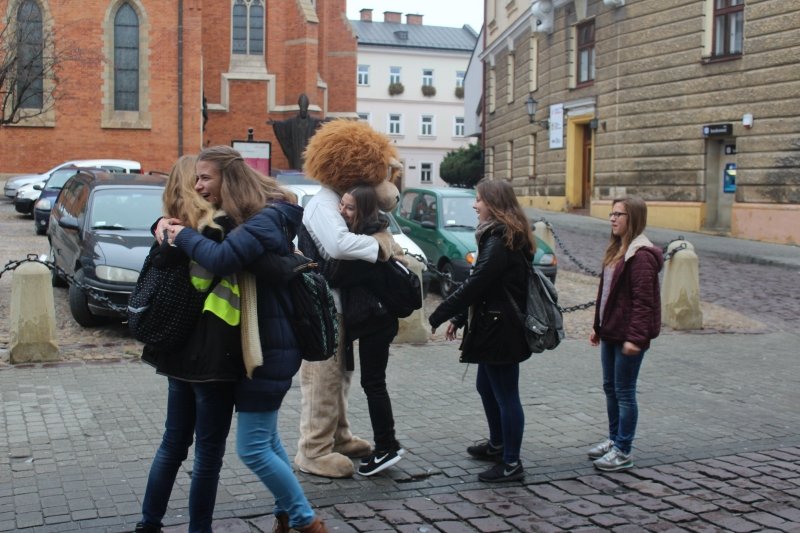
(692, 104)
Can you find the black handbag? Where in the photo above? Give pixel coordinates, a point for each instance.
(164, 305)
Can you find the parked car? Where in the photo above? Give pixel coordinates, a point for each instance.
(47, 196)
(306, 191)
(99, 233)
(442, 222)
(26, 196)
(117, 165)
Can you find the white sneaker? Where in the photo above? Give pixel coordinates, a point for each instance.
(614, 460)
(599, 450)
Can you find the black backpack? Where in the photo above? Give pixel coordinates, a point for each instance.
(164, 305)
(542, 319)
(313, 318)
(401, 292)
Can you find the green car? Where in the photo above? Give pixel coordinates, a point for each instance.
(442, 222)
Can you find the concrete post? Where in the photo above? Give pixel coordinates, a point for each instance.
(33, 315)
(543, 231)
(680, 290)
(414, 328)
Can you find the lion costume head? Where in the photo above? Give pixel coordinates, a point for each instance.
(345, 153)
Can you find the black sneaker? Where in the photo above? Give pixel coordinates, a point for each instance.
(141, 527)
(503, 472)
(485, 451)
(379, 461)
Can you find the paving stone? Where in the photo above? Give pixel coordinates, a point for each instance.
(466, 511)
(583, 507)
(354, 510)
(730, 522)
(607, 520)
(677, 515)
(399, 516)
(645, 502)
(490, 524)
(551, 493)
(506, 509)
(692, 505)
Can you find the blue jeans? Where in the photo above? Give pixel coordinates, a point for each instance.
(259, 447)
(204, 410)
(498, 386)
(619, 383)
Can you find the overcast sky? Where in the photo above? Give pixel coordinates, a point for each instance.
(451, 13)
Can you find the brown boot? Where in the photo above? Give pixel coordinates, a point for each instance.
(317, 526)
(281, 524)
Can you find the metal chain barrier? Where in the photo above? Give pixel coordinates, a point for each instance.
(95, 294)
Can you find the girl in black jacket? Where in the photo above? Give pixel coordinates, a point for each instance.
(367, 320)
(494, 337)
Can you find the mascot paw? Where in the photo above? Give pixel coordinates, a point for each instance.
(354, 448)
(334, 465)
(385, 243)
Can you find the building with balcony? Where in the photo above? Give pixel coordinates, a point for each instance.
(692, 104)
(410, 86)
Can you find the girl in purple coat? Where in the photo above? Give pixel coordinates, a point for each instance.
(627, 317)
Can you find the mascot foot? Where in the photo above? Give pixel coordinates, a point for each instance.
(331, 465)
(354, 448)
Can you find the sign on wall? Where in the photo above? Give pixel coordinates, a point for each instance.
(557, 126)
(729, 178)
(256, 154)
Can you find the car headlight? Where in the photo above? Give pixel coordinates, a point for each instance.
(471, 257)
(42, 203)
(123, 275)
(547, 259)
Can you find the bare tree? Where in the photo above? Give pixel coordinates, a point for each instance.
(29, 66)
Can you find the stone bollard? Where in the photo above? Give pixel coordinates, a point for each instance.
(33, 315)
(543, 231)
(414, 328)
(680, 290)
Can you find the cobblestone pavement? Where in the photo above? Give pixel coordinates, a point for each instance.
(718, 445)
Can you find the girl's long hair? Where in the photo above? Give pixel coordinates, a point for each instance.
(181, 201)
(244, 191)
(366, 215)
(504, 207)
(637, 221)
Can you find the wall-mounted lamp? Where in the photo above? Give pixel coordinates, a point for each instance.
(530, 105)
(593, 124)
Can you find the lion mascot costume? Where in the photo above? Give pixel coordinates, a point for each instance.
(340, 155)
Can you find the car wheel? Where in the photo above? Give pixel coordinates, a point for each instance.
(446, 285)
(79, 304)
(55, 279)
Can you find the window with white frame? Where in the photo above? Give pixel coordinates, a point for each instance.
(426, 125)
(427, 76)
(247, 32)
(532, 155)
(585, 53)
(460, 75)
(728, 27)
(510, 77)
(363, 117)
(491, 89)
(458, 127)
(426, 172)
(363, 75)
(395, 123)
(394, 74)
(29, 56)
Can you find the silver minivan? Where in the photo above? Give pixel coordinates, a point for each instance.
(118, 165)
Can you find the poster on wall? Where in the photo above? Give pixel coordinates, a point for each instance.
(256, 154)
(557, 126)
(729, 178)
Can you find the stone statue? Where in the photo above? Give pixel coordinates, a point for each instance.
(293, 133)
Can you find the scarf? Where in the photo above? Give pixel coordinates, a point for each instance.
(483, 227)
(251, 341)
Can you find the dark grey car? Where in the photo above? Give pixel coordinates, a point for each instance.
(99, 235)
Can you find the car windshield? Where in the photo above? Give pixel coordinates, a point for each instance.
(125, 209)
(394, 227)
(58, 179)
(458, 213)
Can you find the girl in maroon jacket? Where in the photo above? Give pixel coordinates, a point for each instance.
(627, 317)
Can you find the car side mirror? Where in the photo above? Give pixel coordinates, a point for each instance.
(37, 187)
(68, 222)
(427, 224)
(405, 229)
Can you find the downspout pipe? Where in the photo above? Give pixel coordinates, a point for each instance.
(180, 78)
